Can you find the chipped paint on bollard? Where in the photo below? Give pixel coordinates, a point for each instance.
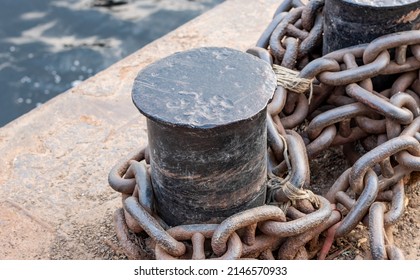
(365, 20)
(206, 111)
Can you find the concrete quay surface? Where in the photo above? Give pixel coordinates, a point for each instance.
(55, 202)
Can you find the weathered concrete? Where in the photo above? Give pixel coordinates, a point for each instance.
(55, 160)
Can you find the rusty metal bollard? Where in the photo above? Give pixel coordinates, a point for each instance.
(206, 121)
(353, 22)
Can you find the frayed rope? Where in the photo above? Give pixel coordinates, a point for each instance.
(289, 79)
(293, 193)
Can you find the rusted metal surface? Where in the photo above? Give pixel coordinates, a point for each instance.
(129, 247)
(243, 220)
(198, 234)
(206, 111)
(360, 22)
(378, 129)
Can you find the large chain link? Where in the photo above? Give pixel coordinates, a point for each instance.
(346, 109)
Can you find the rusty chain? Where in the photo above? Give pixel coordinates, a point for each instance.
(348, 109)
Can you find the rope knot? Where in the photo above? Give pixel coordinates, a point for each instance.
(289, 79)
(292, 193)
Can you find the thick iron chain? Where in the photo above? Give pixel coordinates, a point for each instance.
(347, 111)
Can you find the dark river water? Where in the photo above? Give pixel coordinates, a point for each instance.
(48, 46)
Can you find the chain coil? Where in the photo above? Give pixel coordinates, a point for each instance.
(346, 110)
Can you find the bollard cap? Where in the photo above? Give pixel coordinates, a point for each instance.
(204, 88)
(381, 3)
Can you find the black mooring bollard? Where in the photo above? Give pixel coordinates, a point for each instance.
(353, 22)
(206, 121)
